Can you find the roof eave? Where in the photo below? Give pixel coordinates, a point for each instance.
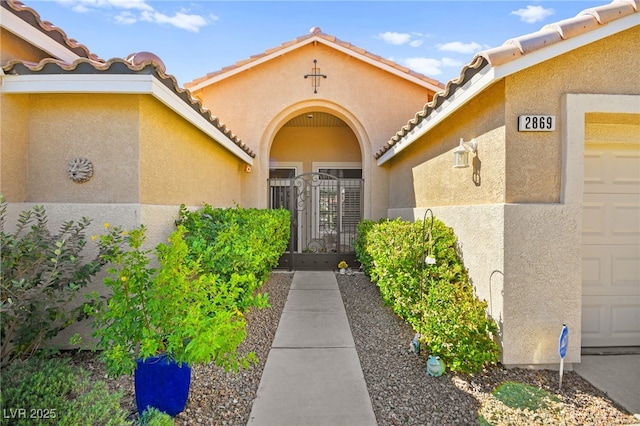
(119, 84)
(494, 73)
(478, 83)
(27, 32)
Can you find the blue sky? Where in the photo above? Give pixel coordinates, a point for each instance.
(196, 37)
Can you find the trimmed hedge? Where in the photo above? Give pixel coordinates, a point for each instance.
(436, 300)
(240, 245)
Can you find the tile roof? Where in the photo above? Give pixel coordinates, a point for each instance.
(317, 34)
(88, 63)
(513, 49)
(32, 17)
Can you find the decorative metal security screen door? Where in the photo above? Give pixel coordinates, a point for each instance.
(325, 211)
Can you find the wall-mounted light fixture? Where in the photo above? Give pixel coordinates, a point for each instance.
(461, 153)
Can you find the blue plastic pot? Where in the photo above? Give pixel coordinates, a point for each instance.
(163, 384)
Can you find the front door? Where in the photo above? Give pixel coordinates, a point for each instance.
(325, 211)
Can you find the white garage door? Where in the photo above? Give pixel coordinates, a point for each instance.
(611, 246)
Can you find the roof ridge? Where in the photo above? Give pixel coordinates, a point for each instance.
(316, 32)
(585, 21)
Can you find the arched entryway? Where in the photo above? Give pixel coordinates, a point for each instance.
(316, 172)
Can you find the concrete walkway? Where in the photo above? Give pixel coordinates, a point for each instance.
(313, 375)
(617, 375)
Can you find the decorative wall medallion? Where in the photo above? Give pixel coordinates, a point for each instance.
(80, 170)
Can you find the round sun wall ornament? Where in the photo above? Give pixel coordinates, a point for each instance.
(80, 170)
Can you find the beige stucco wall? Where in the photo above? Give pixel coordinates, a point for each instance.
(423, 174)
(101, 128)
(141, 151)
(520, 228)
(309, 145)
(12, 47)
(180, 164)
(538, 90)
(257, 102)
(13, 147)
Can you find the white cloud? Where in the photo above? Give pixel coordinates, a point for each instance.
(87, 5)
(395, 38)
(533, 14)
(181, 19)
(459, 47)
(398, 39)
(125, 18)
(450, 62)
(426, 66)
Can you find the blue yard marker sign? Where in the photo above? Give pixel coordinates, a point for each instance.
(563, 343)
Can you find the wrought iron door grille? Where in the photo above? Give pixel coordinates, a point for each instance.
(325, 211)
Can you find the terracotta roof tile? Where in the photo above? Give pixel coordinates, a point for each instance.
(32, 17)
(612, 11)
(140, 63)
(316, 32)
(574, 26)
(585, 21)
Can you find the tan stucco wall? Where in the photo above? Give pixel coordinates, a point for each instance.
(12, 47)
(308, 145)
(58, 128)
(257, 102)
(534, 158)
(180, 164)
(423, 174)
(13, 147)
(520, 229)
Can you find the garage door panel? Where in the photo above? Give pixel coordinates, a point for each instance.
(610, 270)
(611, 246)
(610, 321)
(611, 219)
(626, 176)
(625, 317)
(626, 272)
(612, 171)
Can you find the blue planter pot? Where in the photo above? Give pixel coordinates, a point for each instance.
(163, 384)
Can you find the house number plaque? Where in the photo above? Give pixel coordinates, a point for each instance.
(536, 123)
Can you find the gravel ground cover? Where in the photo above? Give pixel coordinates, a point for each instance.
(403, 394)
(400, 390)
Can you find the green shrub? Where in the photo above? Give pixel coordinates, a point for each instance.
(176, 309)
(42, 273)
(154, 417)
(363, 234)
(436, 300)
(240, 245)
(53, 392)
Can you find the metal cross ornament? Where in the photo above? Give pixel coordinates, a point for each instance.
(315, 75)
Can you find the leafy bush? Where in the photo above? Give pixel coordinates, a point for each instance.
(436, 299)
(42, 273)
(176, 309)
(240, 245)
(53, 392)
(154, 417)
